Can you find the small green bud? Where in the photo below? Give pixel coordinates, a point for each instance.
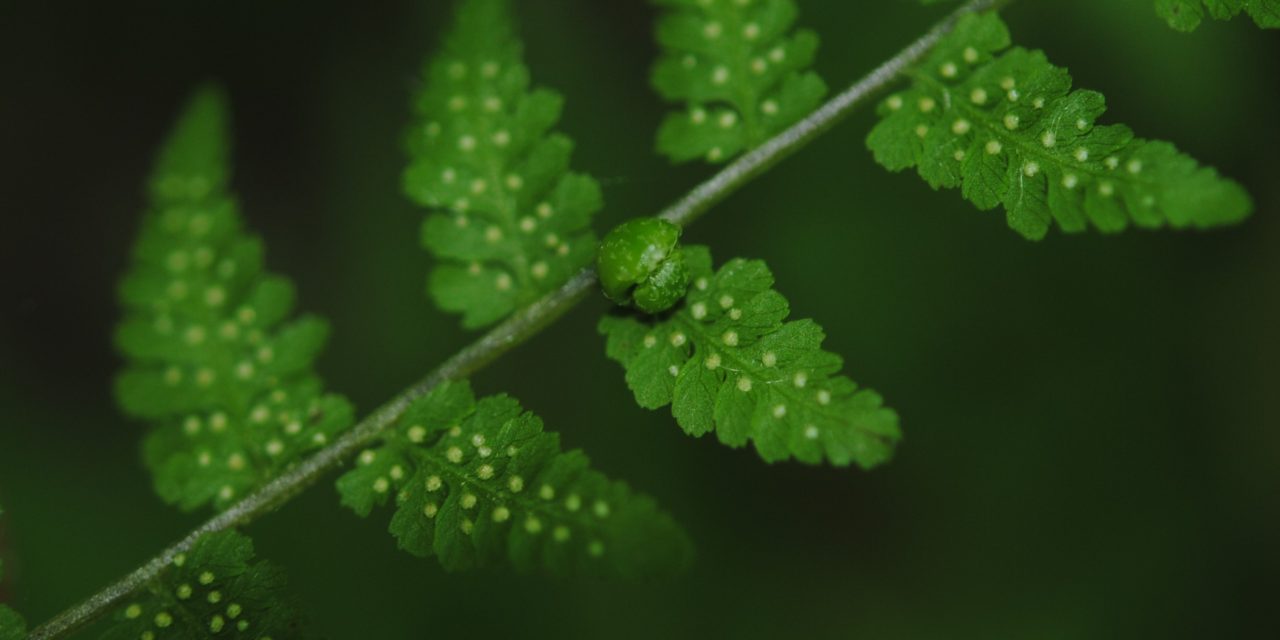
(641, 264)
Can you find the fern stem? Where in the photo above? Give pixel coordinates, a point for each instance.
(512, 332)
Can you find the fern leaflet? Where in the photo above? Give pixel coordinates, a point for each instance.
(1186, 15)
(1007, 129)
(480, 483)
(216, 590)
(226, 381)
(726, 361)
(509, 221)
(740, 69)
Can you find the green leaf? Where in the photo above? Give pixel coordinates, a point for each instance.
(509, 222)
(1186, 15)
(726, 361)
(214, 591)
(1004, 126)
(214, 363)
(739, 69)
(479, 484)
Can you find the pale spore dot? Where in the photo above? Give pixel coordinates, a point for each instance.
(214, 597)
(430, 509)
(978, 96)
(922, 130)
(712, 30)
(367, 457)
(501, 514)
(927, 104)
(800, 379)
(1007, 83)
(701, 284)
(183, 592)
(948, 70)
(1112, 162)
(467, 143)
(735, 314)
(811, 432)
(958, 155)
(453, 454)
(515, 484)
(573, 502)
(751, 31)
(234, 610)
(434, 483)
(769, 359)
(728, 119)
(970, 55)
(769, 107)
(1106, 189)
(744, 384)
(994, 147)
(547, 492)
(561, 533)
(466, 526)
(396, 472)
(1070, 180)
(960, 127)
(778, 54)
(485, 471)
(678, 339)
(206, 578)
(715, 154)
(539, 270)
(894, 102)
(780, 411)
(133, 611)
(502, 138)
(726, 301)
(650, 341)
(532, 525)
(730, 338)
(502, 282)
(1049, 139)
(1081, 154)
(697, 115)
(417, 433)
(698, 310)
(759, 66)
(163, 619)
(1011, 121)
(595, 548)
(712, 362)
(381, 485)
(1030, 169)
(468, 501)
(720, 75)
(673, 370)
(1134, 166)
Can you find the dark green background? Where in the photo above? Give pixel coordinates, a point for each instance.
(1091, 425)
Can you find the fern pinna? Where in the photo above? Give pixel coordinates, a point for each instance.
(479, 483)
(215, 590)
(726, 361)
(214, 363)
(1004, 126)
(739, 70)
(509, 222)
(12, 625)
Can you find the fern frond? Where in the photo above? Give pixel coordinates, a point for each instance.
(739, 68)
(480, 483)
(727, 361)
(216, 590)
(1186, 15)
(213, 363)
(1005, 127)
(509, 221)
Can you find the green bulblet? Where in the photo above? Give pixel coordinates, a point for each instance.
(641, 264)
